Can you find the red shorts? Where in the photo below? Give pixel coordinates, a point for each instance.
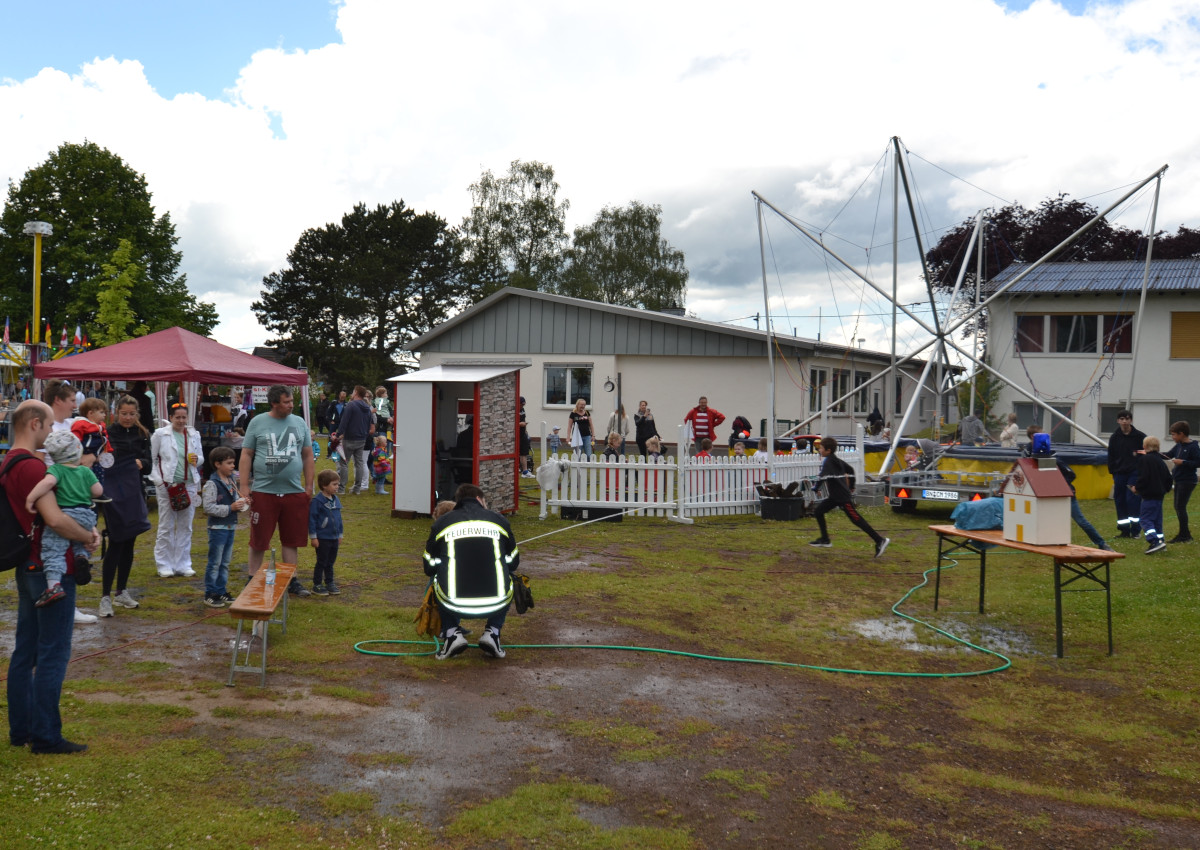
(289, 512)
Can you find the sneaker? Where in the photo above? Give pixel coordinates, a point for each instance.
(82, 619)
(106, 606)
(881, 547)
(186, 572)
(166, 574)
(125, 600)
(63, 747)
(214, 601)
(228, 598)
(297, 589)
(1156, 547)
(822, 543)
(320, 590)
(1181, 538)
(333, 589)
(50, 595)
(489, 642)
(451, 646)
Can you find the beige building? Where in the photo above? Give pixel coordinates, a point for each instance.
(572, 348)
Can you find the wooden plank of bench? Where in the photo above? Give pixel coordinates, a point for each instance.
(258, 601)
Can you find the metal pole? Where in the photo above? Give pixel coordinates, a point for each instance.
(770, 349)
(890, 388)
(975, 341)
(1137, 325)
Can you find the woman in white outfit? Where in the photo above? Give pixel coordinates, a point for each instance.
(174, 458)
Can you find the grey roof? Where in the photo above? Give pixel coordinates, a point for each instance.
(522, 321)
(1115, 276)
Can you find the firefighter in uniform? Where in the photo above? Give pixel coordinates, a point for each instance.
(471, 555)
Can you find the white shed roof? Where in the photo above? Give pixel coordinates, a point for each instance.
(460, 374)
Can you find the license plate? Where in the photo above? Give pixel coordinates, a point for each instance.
(943, 495)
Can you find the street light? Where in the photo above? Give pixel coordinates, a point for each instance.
(37, 229)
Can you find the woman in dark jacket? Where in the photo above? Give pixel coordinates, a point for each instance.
(125, 517)
(644, 428)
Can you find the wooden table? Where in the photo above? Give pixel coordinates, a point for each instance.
(258, 602)
(1079, 562)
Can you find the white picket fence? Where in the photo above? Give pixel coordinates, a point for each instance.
(679, 490)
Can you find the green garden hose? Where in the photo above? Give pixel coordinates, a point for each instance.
(361, 646)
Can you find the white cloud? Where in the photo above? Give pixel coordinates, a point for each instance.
(687, 105)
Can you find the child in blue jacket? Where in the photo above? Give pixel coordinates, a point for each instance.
(325, 531)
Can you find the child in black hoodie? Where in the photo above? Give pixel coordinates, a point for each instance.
(838, 477)
(1153, 484)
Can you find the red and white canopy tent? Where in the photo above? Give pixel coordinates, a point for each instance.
(176, 355)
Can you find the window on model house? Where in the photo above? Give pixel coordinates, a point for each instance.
(566, 383)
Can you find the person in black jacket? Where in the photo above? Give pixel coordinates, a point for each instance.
(125, 517)
(1123, 446)
(1153, 484)
(838, 477)
(471, 555)
(1185, 458)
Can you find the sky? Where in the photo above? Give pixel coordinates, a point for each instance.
(254, 121)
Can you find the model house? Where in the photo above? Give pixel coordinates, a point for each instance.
(1037, 503)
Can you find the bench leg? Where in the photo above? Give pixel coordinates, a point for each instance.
(1058, 638)
(237, 642)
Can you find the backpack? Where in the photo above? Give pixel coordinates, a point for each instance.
(15, 544)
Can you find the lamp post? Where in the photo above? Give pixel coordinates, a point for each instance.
(37, 229)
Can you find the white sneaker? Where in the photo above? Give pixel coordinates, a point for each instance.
(82, 619)
(451, 646)
(106, 606)
(166, 573)
(125, 600)
(490, 644)
(186, 572)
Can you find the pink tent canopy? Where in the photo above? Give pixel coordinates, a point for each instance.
(172, 355)
(176, 355)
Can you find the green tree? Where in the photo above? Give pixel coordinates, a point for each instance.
(987, 396)
(355, 292)
(93, 200)
(114, 316)
(516, 231)
(622, 258)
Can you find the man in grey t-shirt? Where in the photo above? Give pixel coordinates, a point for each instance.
(276, 478)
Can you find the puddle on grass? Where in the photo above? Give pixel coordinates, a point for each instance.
(905, 635)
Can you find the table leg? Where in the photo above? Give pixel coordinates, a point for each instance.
(937, 585)
(265, 631)
(1058, 637)
(237, 642)
(982, 575)
(1108, 603)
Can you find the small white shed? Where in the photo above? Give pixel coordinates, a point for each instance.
(456, 424)
(1037, 503)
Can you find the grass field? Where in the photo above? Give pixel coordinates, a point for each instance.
(613, 748)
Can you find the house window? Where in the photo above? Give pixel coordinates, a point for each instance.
(816, 380)
(1185, 335)
(1190, 415)
(566, 383)
(1029, 413)
(840, 387)
(1072, 333)
(861, 401)
(1108, 417)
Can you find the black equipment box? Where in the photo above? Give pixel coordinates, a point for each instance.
(584, 514)
(787, 510)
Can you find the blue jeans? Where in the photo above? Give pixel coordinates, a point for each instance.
(39, 661)
(1128, 504)
(1088, 529)
(450, 620)
(54, 548)
(220, 553)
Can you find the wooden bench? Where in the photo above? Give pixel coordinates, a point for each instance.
(1078, 562)
(258, 603)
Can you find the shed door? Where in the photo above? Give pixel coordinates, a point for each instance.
(413, 465)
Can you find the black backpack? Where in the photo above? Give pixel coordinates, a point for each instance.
(15, 544)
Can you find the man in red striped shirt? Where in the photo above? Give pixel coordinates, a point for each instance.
(704, 421)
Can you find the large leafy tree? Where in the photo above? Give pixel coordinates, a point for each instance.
(94, 201)
(353, 293)
(516, 231)
(622, 258)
